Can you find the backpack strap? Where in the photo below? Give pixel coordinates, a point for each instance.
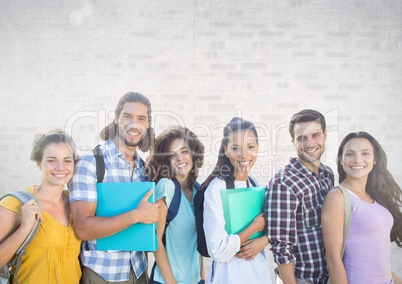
(175, 204)
(252, 181)
(230, 182)
(100, 163)
(24, 196)
(100, 174)
(172, 212)
(347, 216)
(198, 202)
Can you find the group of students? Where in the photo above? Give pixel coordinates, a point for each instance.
(303, 218)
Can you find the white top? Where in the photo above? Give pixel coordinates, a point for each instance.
(223, 247)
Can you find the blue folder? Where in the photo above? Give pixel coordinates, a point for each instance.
(241, 206)
(118, 198)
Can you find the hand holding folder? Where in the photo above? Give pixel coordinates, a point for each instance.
(241, 206)
(147, 208)
(118, 198)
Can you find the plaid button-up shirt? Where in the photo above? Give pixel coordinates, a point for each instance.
(293, 207)
(112, 266)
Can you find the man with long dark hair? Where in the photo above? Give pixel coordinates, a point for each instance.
(130, 129)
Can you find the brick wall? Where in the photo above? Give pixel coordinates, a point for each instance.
(65, 65)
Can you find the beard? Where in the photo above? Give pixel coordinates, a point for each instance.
(143, 137)
(127, 142)
(131, 144)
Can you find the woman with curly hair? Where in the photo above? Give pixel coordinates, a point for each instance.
(376, 214)
(178, 155)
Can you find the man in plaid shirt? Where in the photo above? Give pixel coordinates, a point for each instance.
(130, 129)
(293, 204)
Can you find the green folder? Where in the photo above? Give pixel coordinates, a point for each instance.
(241, 206)
(120, 197)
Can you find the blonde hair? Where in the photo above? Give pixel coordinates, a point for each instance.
(53, 136)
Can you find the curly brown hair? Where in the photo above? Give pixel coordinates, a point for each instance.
(158, 163)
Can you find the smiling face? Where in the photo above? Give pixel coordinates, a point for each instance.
(358, 158)
(132, 123)
(57, 164)
(181, 160)
(242, 151)
(309, 141)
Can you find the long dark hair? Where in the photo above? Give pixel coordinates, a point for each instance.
(381, 186)
(224, 167)
(110, 131)
(158, 164)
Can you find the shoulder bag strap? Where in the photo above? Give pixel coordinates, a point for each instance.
(347, 216)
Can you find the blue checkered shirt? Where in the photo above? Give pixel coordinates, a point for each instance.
(293, 207)
(113, 266)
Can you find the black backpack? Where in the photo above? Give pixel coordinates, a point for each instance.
(172, 212)
(199, 215)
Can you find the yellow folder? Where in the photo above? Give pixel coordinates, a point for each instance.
(241, 206)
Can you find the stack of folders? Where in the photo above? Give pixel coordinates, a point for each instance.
(118, 198)
(241, 206)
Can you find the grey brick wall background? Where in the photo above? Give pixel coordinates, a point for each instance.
(65, 64)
